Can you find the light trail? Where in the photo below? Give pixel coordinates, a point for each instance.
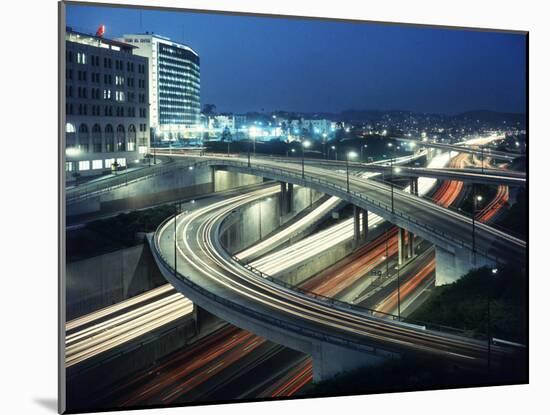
(232, 277)
(314, 245)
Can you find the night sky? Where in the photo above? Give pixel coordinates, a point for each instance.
(257, 63)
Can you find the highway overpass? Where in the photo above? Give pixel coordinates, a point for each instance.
(465, 148)
(338, 337)
(444, 228)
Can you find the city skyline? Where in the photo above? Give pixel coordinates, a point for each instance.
(408, 68)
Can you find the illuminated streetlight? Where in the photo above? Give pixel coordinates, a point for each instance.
(390, 145)
(325, 155)
(333, 148)
(350, 155)
(305, 144)
(72, 151)
(362, 148)
(477, 199)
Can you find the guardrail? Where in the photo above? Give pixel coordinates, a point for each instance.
(316, 334)
(87, 190)
(359, 198)
(356, 308)
(353, 343)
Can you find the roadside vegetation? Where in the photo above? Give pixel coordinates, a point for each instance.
(464, 303)
(118, 232)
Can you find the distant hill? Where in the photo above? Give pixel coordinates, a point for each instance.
(487, 116)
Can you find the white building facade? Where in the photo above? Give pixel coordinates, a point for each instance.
(174, 85)
(107, 114)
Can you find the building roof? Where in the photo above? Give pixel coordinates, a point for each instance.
(163, 39)
(89, 39)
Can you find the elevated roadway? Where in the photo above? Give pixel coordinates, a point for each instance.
(209, 277)
(443, 227)
(464, 147)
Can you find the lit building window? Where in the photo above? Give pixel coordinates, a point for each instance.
(83, 165)
(69, 128)
(121, 162)
(109, 163)
(68, 166)
(97, 164)
(142, 149)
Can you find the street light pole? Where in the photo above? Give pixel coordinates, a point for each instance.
(260, 218)
(390, 145)
(474, 208)
(398, 294)
(362, 147)
(387, 256)
(305, 144)
(351, 154)
(175, 238)
(248, 147)
(494, 271)
(489, 327)
(347, 173)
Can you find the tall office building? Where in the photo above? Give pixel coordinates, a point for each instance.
(174, 85)
(107, 103)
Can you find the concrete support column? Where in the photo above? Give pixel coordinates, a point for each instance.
(365, 224)
(414, 186)
(400, 245)
(290, 197)
(330, 360)
(451, 266)
(356, 225)
(213, 177)
(411, 245)
(282, 199)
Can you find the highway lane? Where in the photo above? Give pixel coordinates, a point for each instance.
(302, 375)
(343, 231)
(199, 256)
(304, 250)
(119, 330)
(468, 146)
(116, 308)
(112, 333)
(438, 224)
(283, 386)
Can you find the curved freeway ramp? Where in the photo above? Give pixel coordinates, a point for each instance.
(446, 229)
(336, 335)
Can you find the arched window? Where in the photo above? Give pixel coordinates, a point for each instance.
(120, 138)
(109, 138)
(83, 138)
(132, 137)
(70, 135)
(96, 139)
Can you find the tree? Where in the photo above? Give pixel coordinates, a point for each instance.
(209, 109)
(226, 135)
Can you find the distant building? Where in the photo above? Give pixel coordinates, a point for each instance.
(240, 121)
(174, 85)
(314, 126)
(221, 122)
(106, 110)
